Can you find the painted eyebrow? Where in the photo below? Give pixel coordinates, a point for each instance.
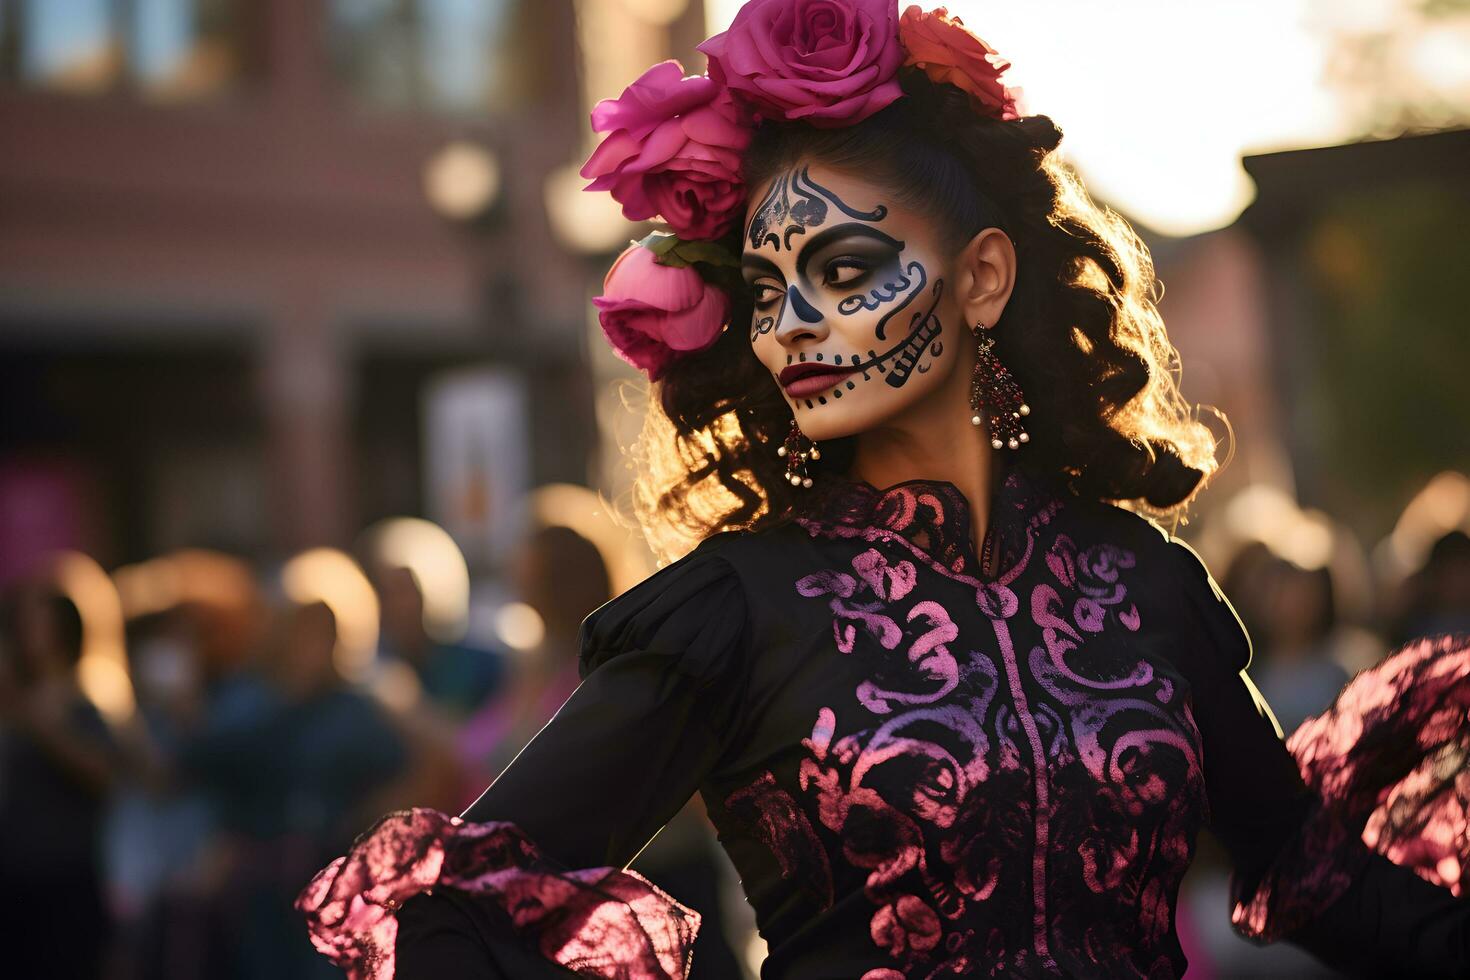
(759, 264)
(851, 229)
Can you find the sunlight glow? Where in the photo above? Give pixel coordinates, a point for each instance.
(331, 576)
(582, 510)
(1159, 99)
(102, 670)
(1441, 505)
(439, 567)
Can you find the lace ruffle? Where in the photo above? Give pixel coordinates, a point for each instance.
(599, 922)
(1387, 764)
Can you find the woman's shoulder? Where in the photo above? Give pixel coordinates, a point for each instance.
(1117, 524)
(1106, 522)
(692, 610)
(1168, 574)
(1181, 570)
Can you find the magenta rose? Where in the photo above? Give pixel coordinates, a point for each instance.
(827, 62)
(673, 149)
(653, 314)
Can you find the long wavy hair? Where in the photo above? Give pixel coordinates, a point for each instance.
(1081, 331)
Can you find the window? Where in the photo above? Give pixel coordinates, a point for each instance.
(172, 50)
(185, 49)
(452, 56)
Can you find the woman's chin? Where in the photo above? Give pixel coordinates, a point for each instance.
(819, 426)
(836, 421)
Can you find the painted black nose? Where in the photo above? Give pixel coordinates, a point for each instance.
(804, 310)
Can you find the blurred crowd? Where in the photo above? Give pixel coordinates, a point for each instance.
(162, 827)
(1318, 607)
(185, 741)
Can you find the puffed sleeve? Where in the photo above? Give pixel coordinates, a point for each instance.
(539, 861)
(1301, 870)
(663, 679)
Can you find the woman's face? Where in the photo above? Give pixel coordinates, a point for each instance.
(855, 314)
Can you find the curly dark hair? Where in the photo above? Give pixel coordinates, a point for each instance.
(1081, 331)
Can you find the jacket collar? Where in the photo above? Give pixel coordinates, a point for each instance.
(935, 516)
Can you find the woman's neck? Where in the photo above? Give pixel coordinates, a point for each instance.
(932, 441)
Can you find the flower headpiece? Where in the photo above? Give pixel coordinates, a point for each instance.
(674, 144)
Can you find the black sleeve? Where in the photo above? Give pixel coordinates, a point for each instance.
(1297, 873)
(664, 672)
(445, 934)
(662, 683)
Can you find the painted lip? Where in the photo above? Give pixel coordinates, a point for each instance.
(804, 380)
(793, 371)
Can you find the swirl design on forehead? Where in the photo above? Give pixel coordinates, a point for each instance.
(794, 204)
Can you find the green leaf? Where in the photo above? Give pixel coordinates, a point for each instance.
(662, 245)
(671, 250)
(709, 253)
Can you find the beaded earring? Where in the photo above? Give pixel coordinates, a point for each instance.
(994, 389)
(796, 457)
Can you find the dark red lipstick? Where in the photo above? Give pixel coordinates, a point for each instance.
(806, 379)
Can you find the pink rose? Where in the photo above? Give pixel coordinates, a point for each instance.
(653, 314)
(945, 49)
(673, 149)
(827, 62)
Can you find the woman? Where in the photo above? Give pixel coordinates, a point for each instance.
(58, 770)
(952, 709)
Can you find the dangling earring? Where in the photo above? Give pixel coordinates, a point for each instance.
(994, 389)
(796, 457)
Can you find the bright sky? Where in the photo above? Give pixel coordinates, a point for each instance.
(1160, 98)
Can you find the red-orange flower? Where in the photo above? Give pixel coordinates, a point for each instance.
(947, 52)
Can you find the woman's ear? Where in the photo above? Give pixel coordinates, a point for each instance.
(985, 276)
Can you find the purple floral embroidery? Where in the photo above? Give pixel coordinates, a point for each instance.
(971, 771)
(848, 616)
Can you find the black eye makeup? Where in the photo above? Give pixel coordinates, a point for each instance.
(840, 258)
(832, 255)
(764, 292)
(836, 270)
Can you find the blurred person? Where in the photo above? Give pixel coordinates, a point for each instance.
(561, 576)
(1436, 598)
(1247, 571)
(291, 759)
(58, 762)
(456, 678)
(952, 708)
(158, 827)
(446, 684)
(167, 667)
(1295, 666)
(341, 742)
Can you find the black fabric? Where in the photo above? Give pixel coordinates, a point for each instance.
(1389, 921)
(921, 767)
(446, 935)
(662, 681)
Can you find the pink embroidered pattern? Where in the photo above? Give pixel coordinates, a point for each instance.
(1390, 763)
(970, 772)
(784, 828)
(600, 922)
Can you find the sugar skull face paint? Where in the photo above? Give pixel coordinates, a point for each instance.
(851, 312)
